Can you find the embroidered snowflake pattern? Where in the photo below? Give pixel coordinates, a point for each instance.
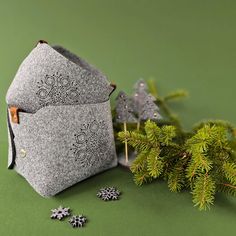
(109, 193)
(91, 143)
(77, 221)
(59, 89)
(60, 212)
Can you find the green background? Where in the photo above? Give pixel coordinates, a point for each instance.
(183, 44)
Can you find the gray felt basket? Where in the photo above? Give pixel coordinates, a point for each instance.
(59, 120)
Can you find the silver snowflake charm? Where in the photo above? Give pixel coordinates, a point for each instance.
(109, 193)
(60, 213)
(77, 221)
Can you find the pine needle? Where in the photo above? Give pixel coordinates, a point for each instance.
(203, 192)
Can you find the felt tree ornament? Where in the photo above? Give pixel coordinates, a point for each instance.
(124, 114)
(144, 103)
(164, 103)
(149, 110)
(141, 86)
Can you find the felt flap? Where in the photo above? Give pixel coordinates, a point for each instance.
(54, 76)
(57, 147)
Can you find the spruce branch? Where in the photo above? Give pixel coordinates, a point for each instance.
(176, 178)
(204, 191)
(227, 189)
(168, 132)
(230, 172)
(192, 170)
(163, 102)
(141, 177)
(135, 139)
(152, 87)
(202, 160)
(152, 132)
(154, 163)
(140, 162)
(220, 123)
(150, 146)
(198, 161)
(176, 95)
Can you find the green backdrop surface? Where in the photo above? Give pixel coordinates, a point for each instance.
(183, 44)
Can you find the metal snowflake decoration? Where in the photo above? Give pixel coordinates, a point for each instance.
(77, 221)
(109, 193)
(60, 212)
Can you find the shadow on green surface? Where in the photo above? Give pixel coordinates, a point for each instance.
(97, 181)
(226, 203)
(155, 192)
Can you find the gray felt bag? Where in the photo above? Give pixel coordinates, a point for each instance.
(59, 120)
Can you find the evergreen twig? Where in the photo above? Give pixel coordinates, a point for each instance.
(202, 160)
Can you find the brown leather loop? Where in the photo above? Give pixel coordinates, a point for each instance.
(14, 115)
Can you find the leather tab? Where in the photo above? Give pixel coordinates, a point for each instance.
(14, 115)
(41, 41)
(113, 86)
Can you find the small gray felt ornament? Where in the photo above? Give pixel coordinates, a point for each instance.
(144, 105)
(108, 194)
(124, 114)
(60, 212)
(149, 110)
(59, 120)
(124, 109)
(77, 221)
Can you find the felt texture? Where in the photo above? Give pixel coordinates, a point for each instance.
(65, 132)
(63, 145)
(51, 76)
